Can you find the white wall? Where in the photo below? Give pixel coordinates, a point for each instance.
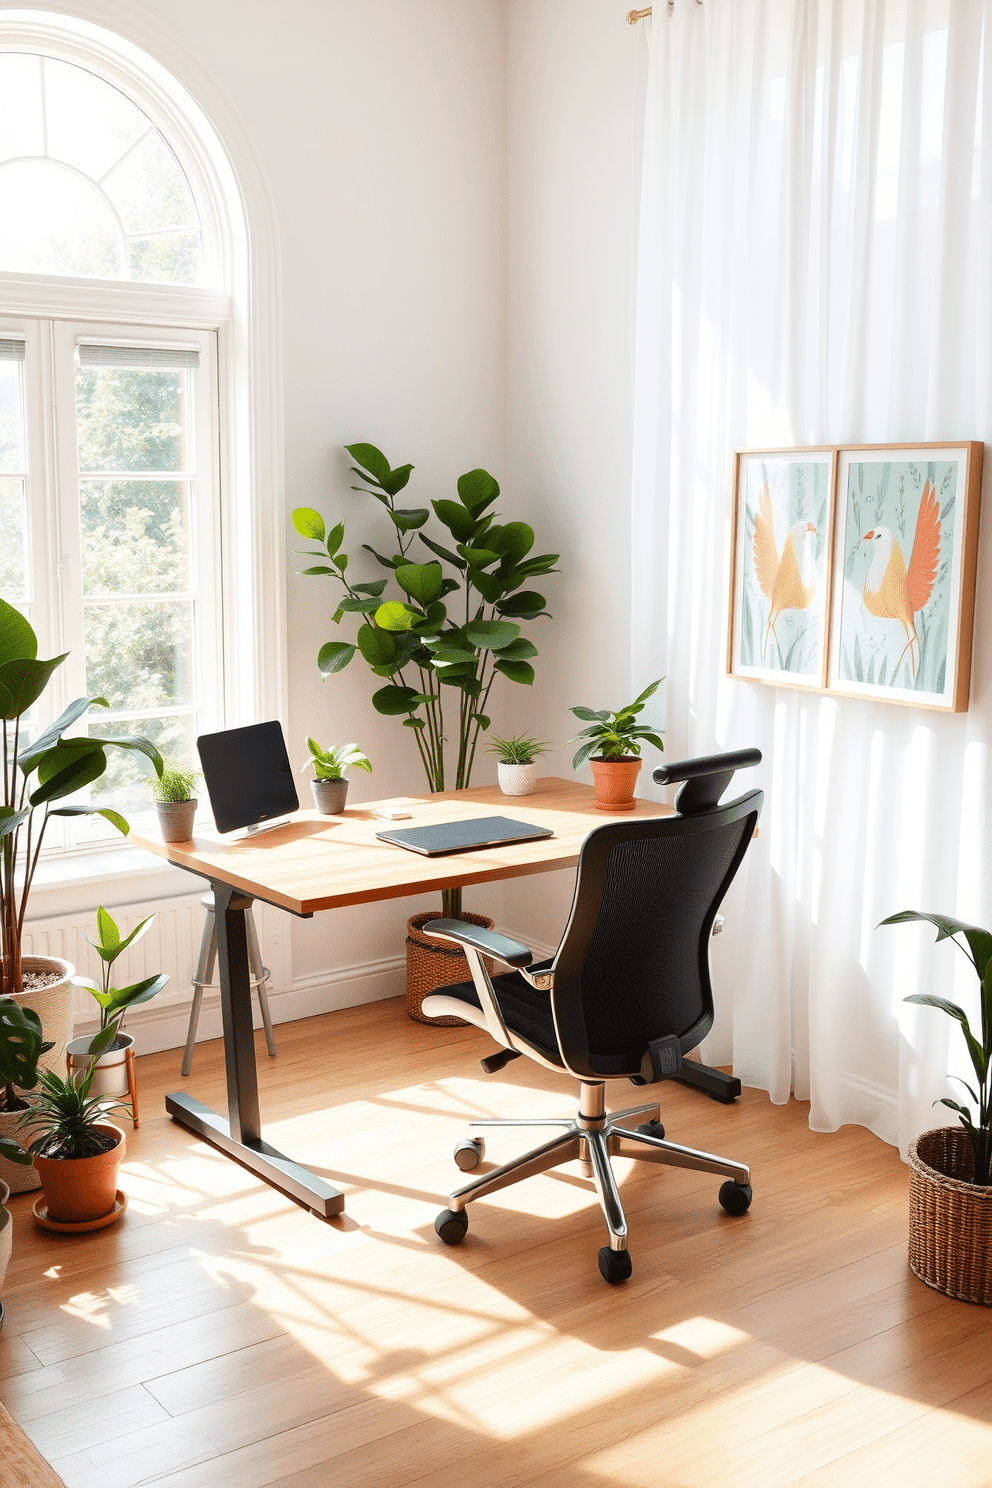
(572, 159)
(421, 313)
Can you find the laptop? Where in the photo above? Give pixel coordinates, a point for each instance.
(248, 775)
(462, 836)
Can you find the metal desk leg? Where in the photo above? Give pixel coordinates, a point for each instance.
(241, 1135)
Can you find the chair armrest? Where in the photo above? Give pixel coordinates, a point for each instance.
(489, 942)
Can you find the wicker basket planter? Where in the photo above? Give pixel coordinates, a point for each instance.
(950, 1219)
(431, 964)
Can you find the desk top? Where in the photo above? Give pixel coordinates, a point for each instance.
(325, 862)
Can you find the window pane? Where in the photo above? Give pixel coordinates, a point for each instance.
(54, 222)
(138, 655)
(90, 122)
(129, 419)
(135, 536)
(149, 190)
(21, 130)
(13, 565)
(11, 417)
(125, 783)
(172, 259)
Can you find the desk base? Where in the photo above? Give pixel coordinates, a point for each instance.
(295, 1181)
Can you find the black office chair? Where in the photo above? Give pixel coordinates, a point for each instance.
(626, 995)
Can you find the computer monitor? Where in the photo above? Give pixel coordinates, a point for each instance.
(248, 775)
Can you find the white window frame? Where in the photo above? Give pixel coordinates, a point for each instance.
(240, 254)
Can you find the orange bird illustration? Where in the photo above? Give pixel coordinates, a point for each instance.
(894, 592)
(787, 581)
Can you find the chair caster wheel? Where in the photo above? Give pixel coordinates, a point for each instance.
(469, 1152)
(614, 1265)
(451, 1225)
(651, 1129)
(735, 1197)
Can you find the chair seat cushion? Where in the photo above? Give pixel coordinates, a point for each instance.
(525, 1010)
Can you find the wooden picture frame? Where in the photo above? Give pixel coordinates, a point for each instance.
(781, 557)
(905, 562)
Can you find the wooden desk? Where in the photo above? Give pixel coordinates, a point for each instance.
(324, 862)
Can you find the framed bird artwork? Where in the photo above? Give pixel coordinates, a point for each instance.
(780, 572)
(906, 553)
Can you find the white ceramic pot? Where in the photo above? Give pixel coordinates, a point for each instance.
(53, 1005)
(516, 780)
(329, 796)
(110, 1075)
(14, 1177)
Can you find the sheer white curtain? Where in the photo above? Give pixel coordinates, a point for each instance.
(815, 266)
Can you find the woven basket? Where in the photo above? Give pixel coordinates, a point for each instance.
(431, 964)
(950, 1219)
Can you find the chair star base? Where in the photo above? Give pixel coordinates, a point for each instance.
(592, 1137)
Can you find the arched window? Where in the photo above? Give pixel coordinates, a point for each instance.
(88, 184)
(138, 326)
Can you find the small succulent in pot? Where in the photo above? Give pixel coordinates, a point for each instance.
(516, 762)
(330, 786)
(978, 948)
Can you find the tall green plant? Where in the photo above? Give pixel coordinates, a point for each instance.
(978, 949)
(37, 774)
(449, 626)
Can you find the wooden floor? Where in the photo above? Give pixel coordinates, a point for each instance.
(221, 1337)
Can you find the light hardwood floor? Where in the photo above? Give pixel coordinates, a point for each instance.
(221, 1337)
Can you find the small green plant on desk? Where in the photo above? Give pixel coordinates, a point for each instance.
(519, 749)
(176, 782)
(330, 764)
(612, 744)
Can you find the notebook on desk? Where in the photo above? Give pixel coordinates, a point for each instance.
(461, 836)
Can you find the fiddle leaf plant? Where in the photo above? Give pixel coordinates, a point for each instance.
(436, 632)
(978, 948)
(37, 774)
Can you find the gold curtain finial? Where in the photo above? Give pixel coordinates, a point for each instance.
(633, 16)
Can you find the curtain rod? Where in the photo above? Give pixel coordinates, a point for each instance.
(633, 16)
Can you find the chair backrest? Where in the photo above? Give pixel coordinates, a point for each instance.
(633, 964)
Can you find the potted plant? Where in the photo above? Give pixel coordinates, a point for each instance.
(37, 775)
(437, 641)
(114, 1068)
(75, 1149)
(22, 1044)
(950, 1191)
(612, 745)
(175, 804)
(330, 784)
(516, 762)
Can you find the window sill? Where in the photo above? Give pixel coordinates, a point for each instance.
(78, 882)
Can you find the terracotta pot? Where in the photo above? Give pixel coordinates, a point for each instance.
(53, 1005)
(615, 781)
(329, 796)
(431, 964)
(110, 1075)
(175, 820)
(516, 780)
(78, 1189)
(950, 1218)
(13, 1177)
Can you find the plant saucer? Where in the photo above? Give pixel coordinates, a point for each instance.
(40, 1211)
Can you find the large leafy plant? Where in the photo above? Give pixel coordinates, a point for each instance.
(115, 1001)
(448, 627)
(978, 948)
(22, 1044)
(36, 775)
